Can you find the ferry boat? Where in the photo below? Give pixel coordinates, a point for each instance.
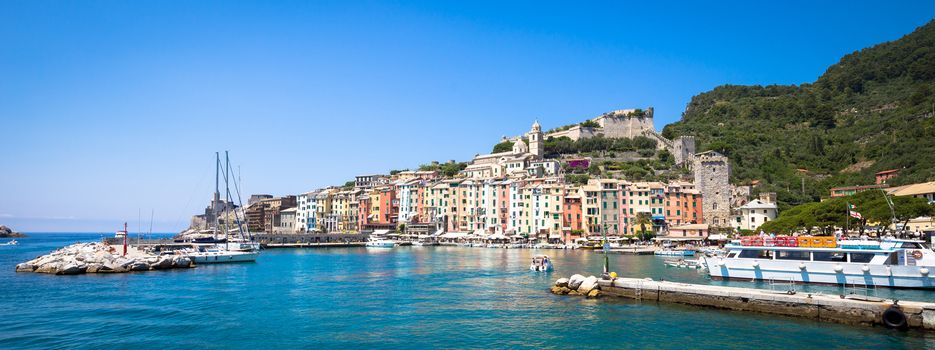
(541, 263)
(896, 263)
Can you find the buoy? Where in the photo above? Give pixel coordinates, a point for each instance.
(924, 271)
(613, 274)
(866, 268)
(801, 266)
(838, 268)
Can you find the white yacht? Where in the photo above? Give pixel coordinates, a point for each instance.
(219, 253)
(891, 262)
(234, 247)
(379, 239)
(380, 243)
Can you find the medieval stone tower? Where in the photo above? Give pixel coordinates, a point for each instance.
(683, 150)
(712, 175)
(536, 146)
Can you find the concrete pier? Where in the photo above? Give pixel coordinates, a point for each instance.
(852, 309)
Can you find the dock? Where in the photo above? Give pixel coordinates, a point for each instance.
(633, 250)
(852, 309)
(315, 240)
(313, 245)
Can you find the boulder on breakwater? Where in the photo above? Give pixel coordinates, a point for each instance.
(577, 285)
(95, 257)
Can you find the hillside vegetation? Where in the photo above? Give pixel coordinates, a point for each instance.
(871, 111)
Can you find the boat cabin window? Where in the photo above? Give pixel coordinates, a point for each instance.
(861, 257)
(756, 254)
(829, 256)
(893, 259)
(792, 255)
(733, 254)
(912, 245)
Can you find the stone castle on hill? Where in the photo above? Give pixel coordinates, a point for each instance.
(629, 123)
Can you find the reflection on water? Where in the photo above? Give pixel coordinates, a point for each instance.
(413, 297)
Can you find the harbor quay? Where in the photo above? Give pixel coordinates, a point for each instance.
(850, 309)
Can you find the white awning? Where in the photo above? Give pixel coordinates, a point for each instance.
(439, 232)
(497, 236)
(454, 235)
(717, 237)
(380, 232)
(678, 238)
(555, 235)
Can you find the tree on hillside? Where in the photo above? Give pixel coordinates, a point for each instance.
(832, 213)
(505, 146)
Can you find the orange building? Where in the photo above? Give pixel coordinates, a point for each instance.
(882, 176)
(571, 217)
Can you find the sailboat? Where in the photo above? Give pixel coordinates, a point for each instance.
(238, 248)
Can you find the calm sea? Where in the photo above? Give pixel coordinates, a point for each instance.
(408, 297)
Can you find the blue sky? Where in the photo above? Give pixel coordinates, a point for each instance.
(111, 108)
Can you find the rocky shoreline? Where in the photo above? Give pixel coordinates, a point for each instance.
(6, 232)
(97, 257)
(577, 285)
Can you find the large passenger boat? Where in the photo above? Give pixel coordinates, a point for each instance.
(890, 262)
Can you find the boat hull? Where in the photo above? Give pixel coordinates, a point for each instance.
(821, 272)
(380, 244)
(227, 257)
(675, 252)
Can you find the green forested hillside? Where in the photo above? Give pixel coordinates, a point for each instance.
(871, 111)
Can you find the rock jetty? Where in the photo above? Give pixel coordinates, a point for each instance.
(6, 232)
(96, 257)
(577, 285)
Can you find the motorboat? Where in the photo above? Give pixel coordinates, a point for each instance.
(380, 243)
(898, 263)
(674, 252)
(685, 263)
(11, 242)
(541, 263)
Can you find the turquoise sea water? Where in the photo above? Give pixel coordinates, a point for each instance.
(407, 297)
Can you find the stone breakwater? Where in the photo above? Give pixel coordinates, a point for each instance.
(844, 309)
(100, 258)
(577, 285)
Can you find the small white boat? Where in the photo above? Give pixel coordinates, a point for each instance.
(675, 252)
(218, 254)
(380, 243)
(685, 263)
(541, 263)
(12, 242)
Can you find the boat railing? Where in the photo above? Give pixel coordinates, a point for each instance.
(782, 286)
(864, 290)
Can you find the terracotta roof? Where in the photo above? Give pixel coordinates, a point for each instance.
(914, 189)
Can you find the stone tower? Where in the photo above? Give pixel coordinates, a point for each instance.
(535, 140)
(683, 150)
(712, 174)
